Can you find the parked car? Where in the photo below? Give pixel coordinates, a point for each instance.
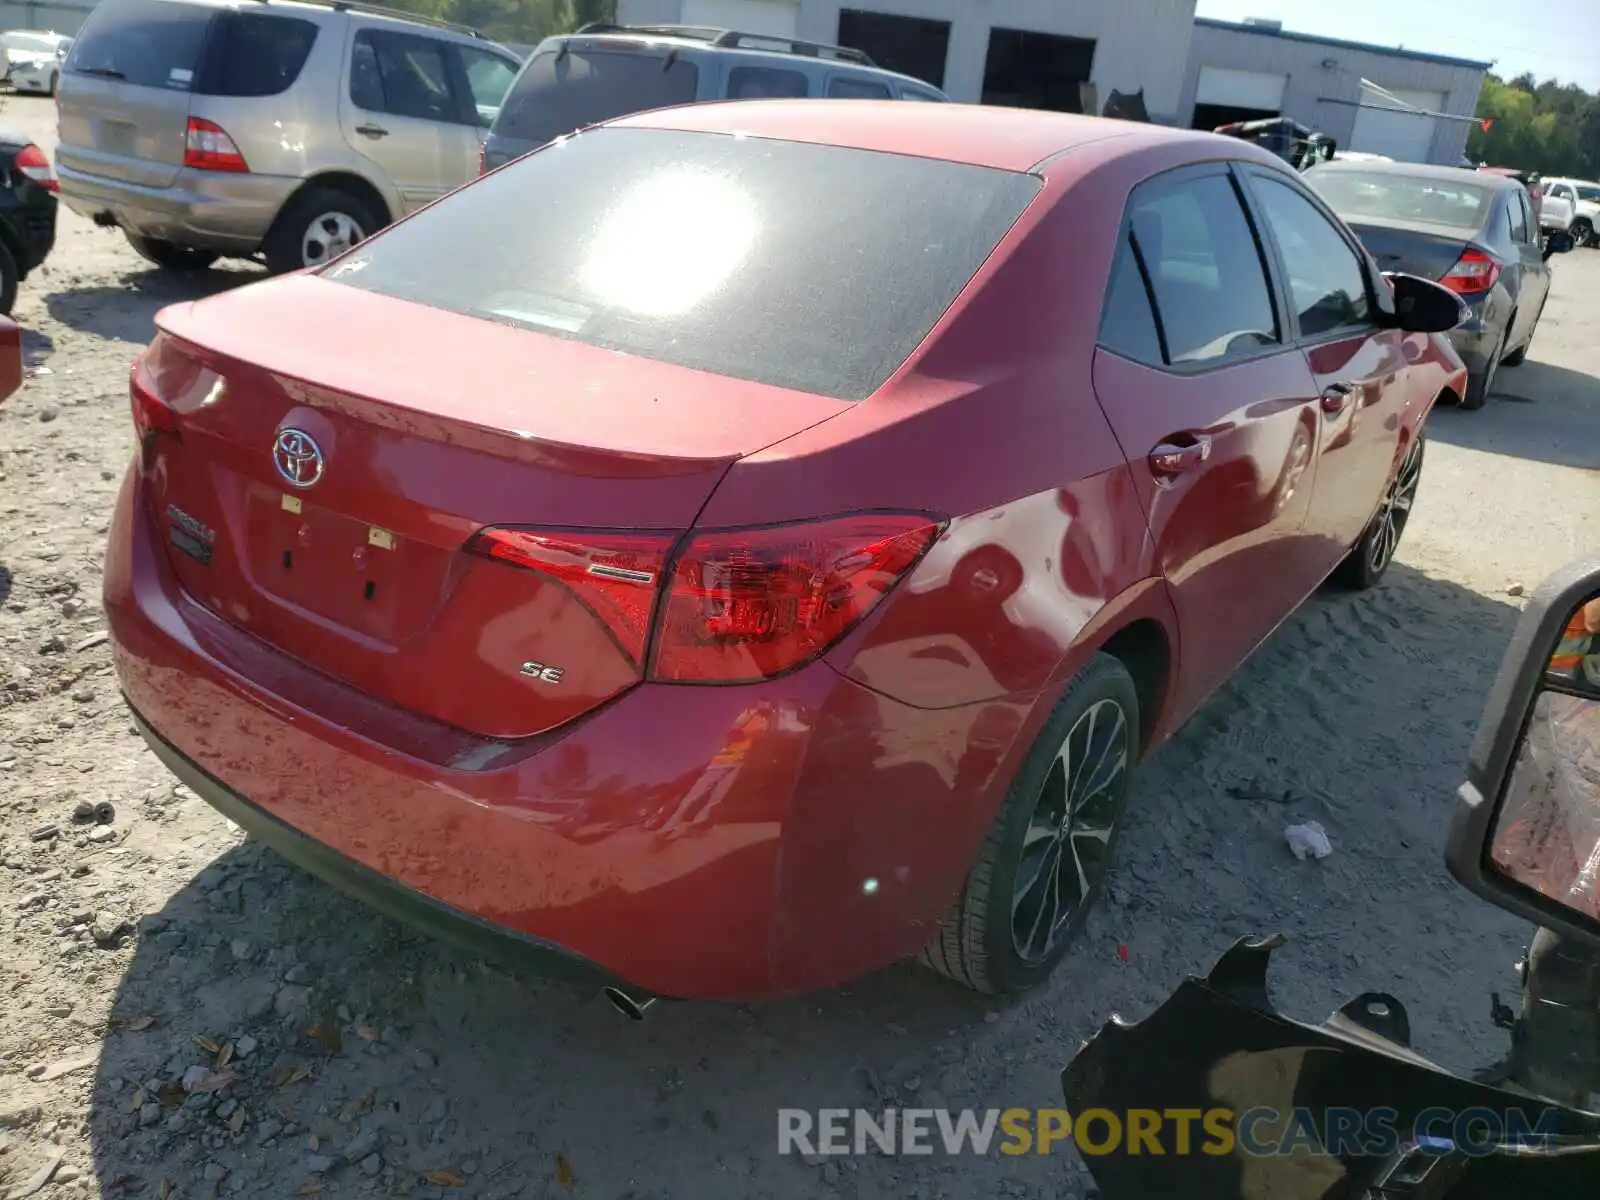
(287, 131)
(1584, 197)
(1472, 231)
(27, 212)
(1554, 216)
(605, 71)
(33, 59)
(585, 595)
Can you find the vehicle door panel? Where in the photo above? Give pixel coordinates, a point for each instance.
(1216, 417)
(1532, 283)
(1360, 377)
(399, 109)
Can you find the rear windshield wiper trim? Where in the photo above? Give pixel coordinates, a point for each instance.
(102, 72)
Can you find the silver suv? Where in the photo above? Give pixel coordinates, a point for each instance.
(281, 129)
(605, 71)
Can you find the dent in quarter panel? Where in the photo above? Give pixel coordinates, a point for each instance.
(1005, 594)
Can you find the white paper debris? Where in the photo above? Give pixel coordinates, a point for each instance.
(1308, 839)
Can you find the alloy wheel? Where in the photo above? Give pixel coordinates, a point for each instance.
(328, 236)
(1396, 508)
(1067, 842)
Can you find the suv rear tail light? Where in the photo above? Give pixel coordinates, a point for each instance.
(739, 606)
(207, 147)
(151, 414)
(33, 163)
(1475, 272)
(483, 156)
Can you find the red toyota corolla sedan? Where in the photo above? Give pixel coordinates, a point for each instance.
(740, 546)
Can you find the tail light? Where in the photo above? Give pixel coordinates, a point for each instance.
(735, 606)
(1475, 272)
(207, 147)
(151, 414)
(33, 163)
(483, 156)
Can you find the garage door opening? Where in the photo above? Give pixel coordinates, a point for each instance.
(913, 46)
(1037, 70)
(1209, 116)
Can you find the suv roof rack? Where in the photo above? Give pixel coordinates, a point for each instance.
(734, 39)
(400, 14)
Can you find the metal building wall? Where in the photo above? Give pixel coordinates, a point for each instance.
(62, 16)
(1314, 90)
(1139, 43)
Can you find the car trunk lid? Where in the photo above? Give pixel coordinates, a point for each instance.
(427, 427)
(124, 97)
(1414, 248)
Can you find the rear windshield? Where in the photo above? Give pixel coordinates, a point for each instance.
(809, 267)
(1354, 194)
(252, 54)
(566, 88)
(151, 43)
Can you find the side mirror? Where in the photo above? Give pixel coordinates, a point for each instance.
(1423, 306)
(1557, 241)
(1526, 831)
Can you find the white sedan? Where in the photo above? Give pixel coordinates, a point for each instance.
(33, 59)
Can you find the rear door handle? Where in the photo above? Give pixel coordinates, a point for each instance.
(1335, 397)
(372, 131)
(1174, 456)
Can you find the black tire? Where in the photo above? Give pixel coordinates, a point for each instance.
(55, 82)
(171, 257)
(976, 944)
(10, 279)
(1583, 232)
(1370, 557)
(296, 225)
(1481, 384)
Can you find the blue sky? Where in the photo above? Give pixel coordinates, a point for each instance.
(1508, 31)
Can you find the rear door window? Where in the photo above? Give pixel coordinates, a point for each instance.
(1128, 324)
(564, 89)
(846, 87)
(402, 74)
(812, 267)
(148, 43)
(766, 83)
(254, 54)
(1327, 281)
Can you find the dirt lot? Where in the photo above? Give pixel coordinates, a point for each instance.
(137, 951)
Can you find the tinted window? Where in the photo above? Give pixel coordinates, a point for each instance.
(251, 54)
(401, 74)
(766, 83)
(1128, 325)
(562, 90)
(1326, 278)
(842, 87)
(1519, 217)
(925, 97)
(806, 266)
(488, 79)
(146, 42)
(1589, 192)
(1354, 194)
(1210, 287)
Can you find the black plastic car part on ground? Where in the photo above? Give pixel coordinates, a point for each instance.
(1217, 1044)
(27, 212)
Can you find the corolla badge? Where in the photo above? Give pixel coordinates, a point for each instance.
(297, 457)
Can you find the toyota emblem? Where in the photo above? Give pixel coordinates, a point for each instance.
(297, 457)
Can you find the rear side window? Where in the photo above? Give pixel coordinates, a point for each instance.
(766, 83)
(149, 43)
(565, 89)
(811, 267)
(1205, 269)
(843, 87)
(1128, 325)
(403, 75)
(252, 54)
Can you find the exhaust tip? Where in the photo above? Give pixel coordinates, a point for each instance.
(632, 1007)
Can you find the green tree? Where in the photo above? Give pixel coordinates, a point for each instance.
(1549, 127)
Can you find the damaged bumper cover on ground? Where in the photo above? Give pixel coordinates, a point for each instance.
(1277, 1109)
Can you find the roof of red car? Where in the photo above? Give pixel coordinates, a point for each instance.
(1011, 139)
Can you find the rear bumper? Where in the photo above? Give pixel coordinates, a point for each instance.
(210, 210)
(703, 843)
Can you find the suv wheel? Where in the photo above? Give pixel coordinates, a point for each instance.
(317, 225)
(169, 255)
(1583, 231)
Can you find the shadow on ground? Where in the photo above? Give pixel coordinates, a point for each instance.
(377, 1057)
(1538, 411)
(127, 312)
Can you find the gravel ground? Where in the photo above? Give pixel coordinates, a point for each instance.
(330, 1050)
